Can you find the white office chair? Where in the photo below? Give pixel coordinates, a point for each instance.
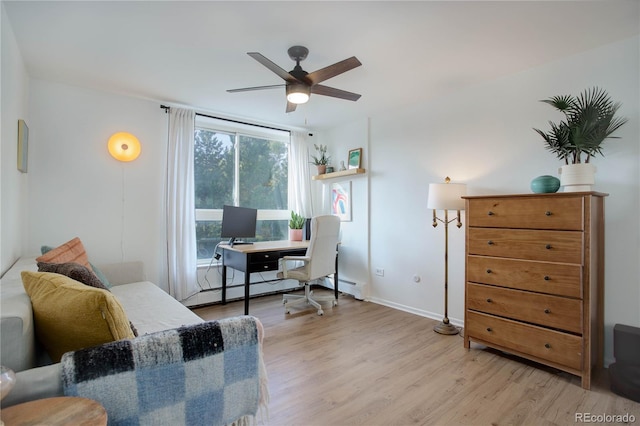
(319, 261)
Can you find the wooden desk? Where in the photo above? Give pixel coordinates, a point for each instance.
(260, 257)
(63, 410)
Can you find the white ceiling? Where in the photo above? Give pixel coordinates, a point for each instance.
(190, 53)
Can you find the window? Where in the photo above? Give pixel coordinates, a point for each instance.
(244, 166)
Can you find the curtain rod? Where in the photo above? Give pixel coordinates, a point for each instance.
(167, 108)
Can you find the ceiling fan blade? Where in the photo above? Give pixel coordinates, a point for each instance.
(247, 89)
(333, 70)
(319, 89)
(291, 106)
(273, 67)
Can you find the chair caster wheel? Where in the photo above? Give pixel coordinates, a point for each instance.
(335, 303)
(320, 312)
(284, 302)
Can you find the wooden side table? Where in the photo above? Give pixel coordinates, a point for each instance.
(64, 410)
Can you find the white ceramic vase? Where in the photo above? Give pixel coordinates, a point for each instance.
(577, 177)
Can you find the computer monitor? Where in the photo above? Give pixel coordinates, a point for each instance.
(238, 222)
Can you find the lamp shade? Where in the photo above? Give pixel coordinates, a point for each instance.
(124, 146)
(298, 93)
(446, 196)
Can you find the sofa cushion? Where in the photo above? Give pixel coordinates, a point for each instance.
(74, 271)
(79, 273)
(69, 315)
(151, 309)
(71, 251)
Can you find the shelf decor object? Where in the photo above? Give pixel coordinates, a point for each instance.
(355, 158)
(446, 196)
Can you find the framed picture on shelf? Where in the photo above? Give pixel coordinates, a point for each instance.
(341, 200)
(355, 158)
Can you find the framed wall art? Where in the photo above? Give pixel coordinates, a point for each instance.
(341, 200)
(355, 158)
(23, 145)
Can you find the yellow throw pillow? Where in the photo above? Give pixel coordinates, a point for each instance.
(69, 315)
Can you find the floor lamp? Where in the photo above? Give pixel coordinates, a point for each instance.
(446, 196)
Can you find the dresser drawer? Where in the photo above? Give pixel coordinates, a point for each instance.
(548, 246)
(563, 213)
(549, 311)
(555, 346)
(553, 278)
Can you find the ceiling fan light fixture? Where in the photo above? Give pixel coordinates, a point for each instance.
(298, 93)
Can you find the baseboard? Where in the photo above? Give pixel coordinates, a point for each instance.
(420, 312)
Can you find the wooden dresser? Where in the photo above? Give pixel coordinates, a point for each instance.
(535, 277)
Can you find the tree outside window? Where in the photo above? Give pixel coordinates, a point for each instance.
(241, 170)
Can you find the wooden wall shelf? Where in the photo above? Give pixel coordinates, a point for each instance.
(341, 173)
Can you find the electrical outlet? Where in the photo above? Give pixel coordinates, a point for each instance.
(380, 272)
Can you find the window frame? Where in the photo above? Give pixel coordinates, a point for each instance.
(236, 129)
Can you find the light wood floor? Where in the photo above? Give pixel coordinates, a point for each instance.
(367, 364)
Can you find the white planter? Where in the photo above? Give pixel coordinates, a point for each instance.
(577, 177)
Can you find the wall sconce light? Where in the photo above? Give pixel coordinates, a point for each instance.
(298, 93)
(446, 196)
(124, 146)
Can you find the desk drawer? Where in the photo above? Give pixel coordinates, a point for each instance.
(550, 311)
(548, 246)
(552, 278)
(555, 346)
(530, 213)
(263, 266)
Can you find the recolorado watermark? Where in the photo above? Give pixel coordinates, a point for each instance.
(604, 418)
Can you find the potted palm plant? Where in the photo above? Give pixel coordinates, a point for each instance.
(296, 223)
(321, 160)
(590, 118)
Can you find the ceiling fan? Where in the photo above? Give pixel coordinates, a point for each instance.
(299, 83)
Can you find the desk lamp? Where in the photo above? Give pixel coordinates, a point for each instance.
(446, 196)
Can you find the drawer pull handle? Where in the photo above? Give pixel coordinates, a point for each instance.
(489, 271)
(547, 311)
(489, 300)
(546, 278)
(548, 213)
(548, 346)
(490, 242)
(490, 213)
(548, 246)
(489, 329)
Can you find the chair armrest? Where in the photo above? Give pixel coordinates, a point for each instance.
(289, 263)
(123, 272)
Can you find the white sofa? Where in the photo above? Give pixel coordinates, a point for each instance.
(148, 308)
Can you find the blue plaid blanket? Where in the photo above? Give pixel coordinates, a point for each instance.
(210, 373)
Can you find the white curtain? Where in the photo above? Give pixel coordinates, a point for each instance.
(299, 181)
(181, 232)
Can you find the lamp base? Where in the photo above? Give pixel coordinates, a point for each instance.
(446, 328)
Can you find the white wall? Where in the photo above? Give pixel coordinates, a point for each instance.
(483, 136)
(13, 189)
(353, 257)
(77, 189)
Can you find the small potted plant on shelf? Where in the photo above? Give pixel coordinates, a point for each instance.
(589, 120)
(321, 160)
(296, 223)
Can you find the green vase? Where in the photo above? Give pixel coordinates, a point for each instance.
(545, 184)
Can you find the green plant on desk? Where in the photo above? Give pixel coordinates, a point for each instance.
(296, 221)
